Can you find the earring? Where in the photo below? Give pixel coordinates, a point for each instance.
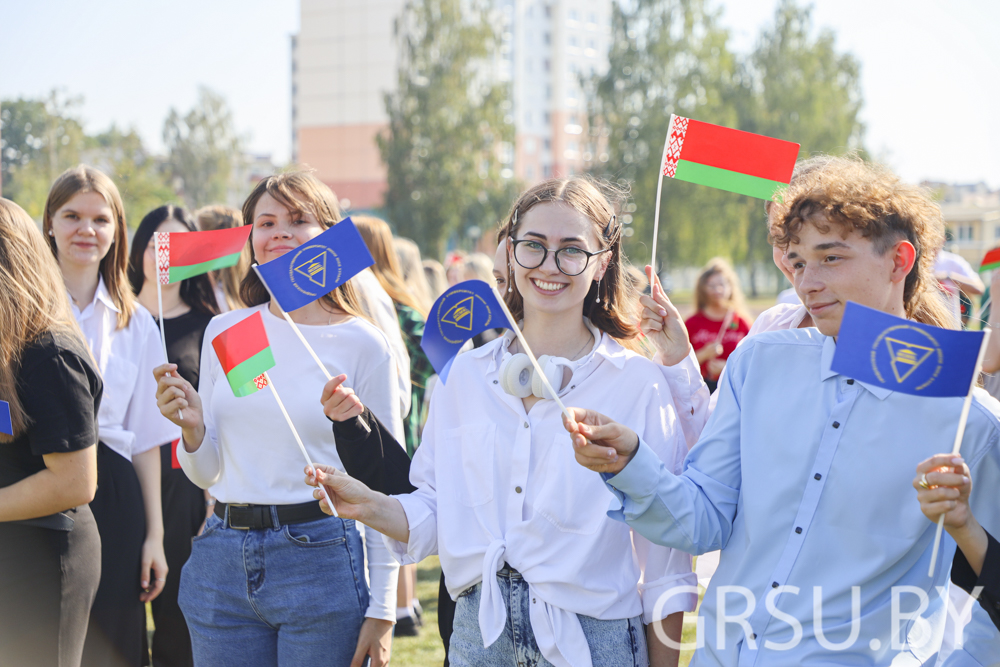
(51, 233)
(510, 277)
(598, 291)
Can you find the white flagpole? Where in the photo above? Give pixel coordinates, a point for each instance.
(659, 191)
(958, 439)
(302, 338)
(159, 306)
(527, 351)
(298, 440)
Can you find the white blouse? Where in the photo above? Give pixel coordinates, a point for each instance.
(249, 454)
(377, 304)
(496, 485)
(129, 421)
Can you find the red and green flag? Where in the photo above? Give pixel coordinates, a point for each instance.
(728, 159)
(991, 260)
(181, 255)
(245, 354)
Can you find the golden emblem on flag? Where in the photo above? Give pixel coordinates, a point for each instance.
(309, 269)
(908, 355)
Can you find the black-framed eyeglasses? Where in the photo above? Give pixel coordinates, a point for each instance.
(570, 260)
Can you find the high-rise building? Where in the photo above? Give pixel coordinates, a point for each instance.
(344, 61)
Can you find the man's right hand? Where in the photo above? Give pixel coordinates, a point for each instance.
(600, 443)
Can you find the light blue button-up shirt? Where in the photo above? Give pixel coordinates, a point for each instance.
(803, 477)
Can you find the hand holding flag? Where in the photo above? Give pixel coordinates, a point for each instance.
(913, 358)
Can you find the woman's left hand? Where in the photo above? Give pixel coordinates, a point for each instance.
(375, 640)
(662, 324)
(153, 572)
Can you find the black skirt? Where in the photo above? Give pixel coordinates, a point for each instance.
(48, 579)
(118, 618)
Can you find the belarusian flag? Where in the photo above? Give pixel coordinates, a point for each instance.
(181, 255)
(728, 159)
(245, 354)
(991, 260)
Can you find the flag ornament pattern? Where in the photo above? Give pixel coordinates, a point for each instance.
(464, 310)
(245, 355)
(728, 159)
(317, 267)
(991, 260)
(900, 355)
(182, 255)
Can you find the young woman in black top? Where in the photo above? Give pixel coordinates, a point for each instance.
(188, 306)
(50, 549)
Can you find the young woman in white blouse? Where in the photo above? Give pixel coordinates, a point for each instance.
(272, 580)
(540, 573)
(84, 222)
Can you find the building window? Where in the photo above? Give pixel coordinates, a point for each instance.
(547, 38)
(965, 232)
(996, 232)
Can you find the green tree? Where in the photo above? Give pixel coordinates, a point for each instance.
(796, 86)
(203, 150)
(666, 56)
(450, 128)
(39, 139)
(140, 178)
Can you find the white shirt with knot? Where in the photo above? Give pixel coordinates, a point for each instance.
(496, 484)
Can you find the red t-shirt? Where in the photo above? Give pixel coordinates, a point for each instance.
(704, 331)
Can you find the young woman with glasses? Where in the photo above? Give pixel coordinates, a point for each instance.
(539, 571)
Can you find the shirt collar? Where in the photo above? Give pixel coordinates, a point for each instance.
(102, 295)
(606, 348)
(826, 372)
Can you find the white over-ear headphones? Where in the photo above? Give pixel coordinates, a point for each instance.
(518, 376)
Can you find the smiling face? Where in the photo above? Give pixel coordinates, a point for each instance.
(555, 226)
(830, 268)
(277, 229)
(83, 229)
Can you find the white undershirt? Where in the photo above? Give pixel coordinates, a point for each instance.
(249, 454)
(130, 423)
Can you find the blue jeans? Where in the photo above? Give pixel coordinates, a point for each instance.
(291, 595)
(615, 643)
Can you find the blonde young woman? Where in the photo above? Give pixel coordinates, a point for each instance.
(720, 320)
(84, 222)
(272, 580)
(540, 574)
(50, 550)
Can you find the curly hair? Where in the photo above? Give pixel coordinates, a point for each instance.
(872, 201)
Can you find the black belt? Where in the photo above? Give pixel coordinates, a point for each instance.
(245, 517)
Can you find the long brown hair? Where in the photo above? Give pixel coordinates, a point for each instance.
(298, 191)
(719, 266)
(114, 265)
(871, 200)
(378, 238)
(615, 313)
(33, 301)
(223, 217)
(412, 271)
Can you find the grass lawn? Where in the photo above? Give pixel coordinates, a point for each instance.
(426, 650)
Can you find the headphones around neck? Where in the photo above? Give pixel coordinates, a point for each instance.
(518, 376)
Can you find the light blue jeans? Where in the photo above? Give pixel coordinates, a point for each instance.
(616, 643)
(291, 595)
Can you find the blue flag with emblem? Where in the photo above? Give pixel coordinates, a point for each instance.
(901, 355)
(5, 423)
(464, 310)
(316, 267)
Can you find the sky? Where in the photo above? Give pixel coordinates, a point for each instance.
(929, 68)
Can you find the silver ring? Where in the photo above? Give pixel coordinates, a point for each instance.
(923, 481)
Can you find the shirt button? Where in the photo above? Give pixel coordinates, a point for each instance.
(525, 424)
(817, 476)
(774, 584)
(836, 424)
(798, 530)
(850, 382)
(494, 382)
(517, 489)
(753, 636)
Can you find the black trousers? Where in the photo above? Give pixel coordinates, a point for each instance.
(118, 618)
(183, 514)
(48, 579)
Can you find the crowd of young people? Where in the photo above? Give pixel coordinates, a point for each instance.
(134, 474)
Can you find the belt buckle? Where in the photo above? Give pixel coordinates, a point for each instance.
(229, 519)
